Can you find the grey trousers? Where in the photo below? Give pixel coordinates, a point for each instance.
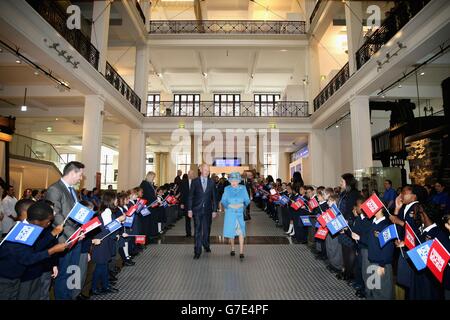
(9, 289)
(386, 288)
(46, 282)
(334, 252)
(30, 290)
(364, 267)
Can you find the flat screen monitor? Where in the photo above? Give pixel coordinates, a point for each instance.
(227, 162)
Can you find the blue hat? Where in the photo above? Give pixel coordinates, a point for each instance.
(234, 176)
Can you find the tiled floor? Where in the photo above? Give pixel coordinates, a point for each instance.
(269, 271)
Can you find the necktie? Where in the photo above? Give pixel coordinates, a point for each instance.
(204, 184)
(72, 192)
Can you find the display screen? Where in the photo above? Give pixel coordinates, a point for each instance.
(227, 162)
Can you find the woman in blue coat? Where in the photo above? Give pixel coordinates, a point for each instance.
(234, 200)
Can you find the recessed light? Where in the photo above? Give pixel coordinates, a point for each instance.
(337, 126)
(36, 72)
(56, 119)
(18, 61)
(422, 73)
(283, 50)
(49, 129)
(399, 85)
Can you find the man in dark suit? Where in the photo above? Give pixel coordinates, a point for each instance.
(64, 197)
(177, 179)
(247, 182)
(185, 187)
(202, 205)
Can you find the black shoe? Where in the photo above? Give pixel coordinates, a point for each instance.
(241, 256)
(82, 297)
(196, 256)
(208, 249)
(129, 263)
(113, 278)
(96, 292)
(188, 236)
(340, 276)
(232, 253)
(110, 290)
(360, 293)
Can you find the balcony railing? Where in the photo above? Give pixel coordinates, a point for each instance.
(57, 18)
(139, 9)
(227, 27)
(338, 81)
(314, 12)
(35, 149)
(397, 18)
(238, 109)
(117, 81)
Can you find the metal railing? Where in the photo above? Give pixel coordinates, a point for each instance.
(338, 81)
(57, 18)
(238, 109)
(314, 12)
(139, 9)
(117, 81)
(398, 17)
(31, 148)
(227, 27)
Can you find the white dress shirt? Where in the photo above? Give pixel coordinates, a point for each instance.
(8, 205)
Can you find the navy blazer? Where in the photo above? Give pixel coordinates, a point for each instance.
(202, 202)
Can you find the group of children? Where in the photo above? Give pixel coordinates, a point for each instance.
(355, 254)
(27, 271)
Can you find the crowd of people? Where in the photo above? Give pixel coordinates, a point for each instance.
(45, 269)
(355, 253)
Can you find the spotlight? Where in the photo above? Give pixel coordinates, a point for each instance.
(23, 108)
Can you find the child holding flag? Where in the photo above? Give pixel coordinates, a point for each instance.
(15, 257)
(380, 285)
(333, 247)
(446, 220)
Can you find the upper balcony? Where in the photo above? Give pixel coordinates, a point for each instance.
(239, 27)
(289, 109)
(398, 17)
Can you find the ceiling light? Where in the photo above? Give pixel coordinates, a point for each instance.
(18, 61)
(159, 74)
(49, 129)
(205, 74)
(399, 85)
(337, 126)
(283, 50)
(383, 96)
(23, 108)
(36, 72)
(56, 119)
(422, 73)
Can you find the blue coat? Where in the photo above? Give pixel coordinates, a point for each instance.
(234, 195)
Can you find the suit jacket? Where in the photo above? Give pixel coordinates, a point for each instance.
(248, 185)
(63, 202)
(184, 192)
(149, 191)
(202, 202)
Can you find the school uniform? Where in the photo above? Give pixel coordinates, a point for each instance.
(361, 227)
(101, 254)
(14, 259)
(380, 257)
(334, 252)
(405, 269)
(320, 244)
(30, 282)
(425, 286)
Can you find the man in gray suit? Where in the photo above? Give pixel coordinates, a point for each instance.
(64, 197)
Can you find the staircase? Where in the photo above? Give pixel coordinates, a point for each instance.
(34, 150)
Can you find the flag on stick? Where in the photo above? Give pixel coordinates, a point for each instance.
(24, 233)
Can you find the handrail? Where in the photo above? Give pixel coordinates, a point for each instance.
(227, 27)
(314, 12)
(335, 83)
(122, 86)
(236, 109)
(397, 19)
(139, 9)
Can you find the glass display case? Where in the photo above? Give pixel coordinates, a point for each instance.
(373, 178)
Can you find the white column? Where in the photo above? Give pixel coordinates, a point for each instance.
(332, 168)
(283, 166)
(100, 30)
(92, 137)
(361, 134)
(124, 158)
(141, 75)
(313, 72)
(137, 157)
(316, 146)
(353, 14)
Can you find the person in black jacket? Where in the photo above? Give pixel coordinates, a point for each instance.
(380, 283)
(184, 198)
(346, 203)
(150, 222)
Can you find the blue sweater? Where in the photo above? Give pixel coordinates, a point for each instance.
(378, 255)
(362, 228)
